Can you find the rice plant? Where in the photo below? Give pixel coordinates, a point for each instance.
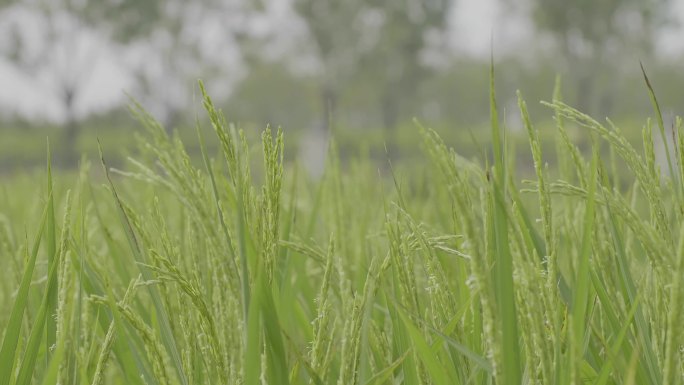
(223, 269)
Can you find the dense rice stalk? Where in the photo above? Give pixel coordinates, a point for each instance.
(235, 268)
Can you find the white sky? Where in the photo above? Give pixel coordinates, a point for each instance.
(476, 23)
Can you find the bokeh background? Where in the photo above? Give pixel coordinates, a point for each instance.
(361, 68)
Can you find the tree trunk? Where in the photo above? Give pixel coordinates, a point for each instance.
(585, 93)
(329, 104)
(390, 112)
(72, 130)
(172, 120)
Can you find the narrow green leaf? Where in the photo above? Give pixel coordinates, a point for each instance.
(582, 280)
(628, 289)
(37, 332)
(167, 336)
(252, 360)
(435, 369)
(277, 356)
(214, 187)
(52, 256)
(384, 375)
(12, 332)
(661, 124)
(604, 374)
(466, 351)
(503, 268)
(402, 343)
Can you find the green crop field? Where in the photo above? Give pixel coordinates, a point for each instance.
(236, 267)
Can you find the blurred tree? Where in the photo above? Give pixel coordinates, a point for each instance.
(270, 94)
(60, 41)
(166, 44)
(172, 43)
(399, 61)
(594, 37)
(48, 41)
(377, 41)
(337, 38)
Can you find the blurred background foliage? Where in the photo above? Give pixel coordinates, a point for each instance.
(361, 68)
